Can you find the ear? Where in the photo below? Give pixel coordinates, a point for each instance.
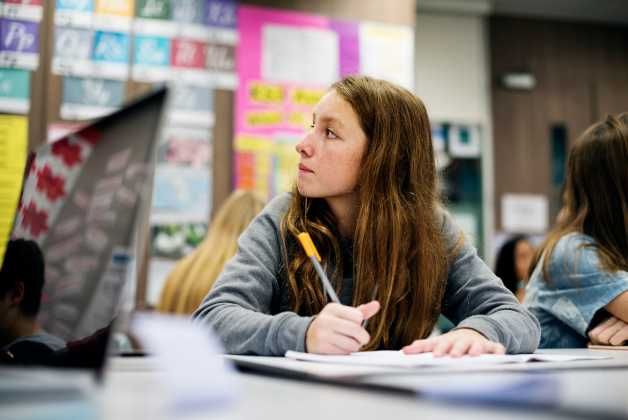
(16, 295)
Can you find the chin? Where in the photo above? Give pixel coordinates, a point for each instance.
(309, 191)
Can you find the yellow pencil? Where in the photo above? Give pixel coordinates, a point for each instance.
(310, 251)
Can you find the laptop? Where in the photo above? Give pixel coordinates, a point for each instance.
(84, 197)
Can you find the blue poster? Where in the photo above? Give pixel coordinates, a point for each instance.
(75, 5)
(111, 46)
(152, 51)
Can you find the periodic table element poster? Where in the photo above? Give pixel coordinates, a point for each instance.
(72, 51)
(19, 44)
(154, 17)
(74, 13)
(110, 54)
(15, 91)
(88, 98)
(222, 17)
(189, 15)
(151, 59)
(191, 106)
(31, 10)
(113, 15)
(218, 68)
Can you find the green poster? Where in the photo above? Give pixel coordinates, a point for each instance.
(14, 90)
(154, 9)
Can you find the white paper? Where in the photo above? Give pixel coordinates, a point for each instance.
(290, 54)
(527, 213)
(400, 359)
(387, 52)
(189, 355)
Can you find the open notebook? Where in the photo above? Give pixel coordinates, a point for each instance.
(388, 358)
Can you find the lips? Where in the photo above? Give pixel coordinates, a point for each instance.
(304, 168)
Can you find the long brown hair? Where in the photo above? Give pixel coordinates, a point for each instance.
(595, 195)
(397, 243)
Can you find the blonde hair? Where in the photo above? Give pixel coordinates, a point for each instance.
(193, 276)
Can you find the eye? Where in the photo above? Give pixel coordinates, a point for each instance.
(330, 134)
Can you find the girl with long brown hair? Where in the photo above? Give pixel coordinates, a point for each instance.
(366, 193)
(579, 283)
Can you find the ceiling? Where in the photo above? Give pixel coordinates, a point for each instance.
(608, 11)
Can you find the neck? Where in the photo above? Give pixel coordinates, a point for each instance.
(20, 327)
(344, 209)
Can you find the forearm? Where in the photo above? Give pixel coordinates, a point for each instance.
(618, 307)
(244, 331)
(511, 325)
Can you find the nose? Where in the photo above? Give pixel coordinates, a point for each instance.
(305, 147)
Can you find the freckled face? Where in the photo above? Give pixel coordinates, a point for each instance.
(332, 150)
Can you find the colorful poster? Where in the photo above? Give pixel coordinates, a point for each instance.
(387, 52)
(188, 54)
(185, 146)
(13, 148)
(152, 17)
(113, 15)
(15, 91)
(274, 102)
(72, 51)
(151, 59)
(221, 13)
(111, 55)
(87, 98)
(19, 44)
(191, 106)
(76, 13)
(190, 15)
(181, 194)
(31, 10)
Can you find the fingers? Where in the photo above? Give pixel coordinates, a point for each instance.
(345, 312)
(369, 309)
(351, 330)
(604, 336)
(620, 336)
(594, 334)
(456, 344)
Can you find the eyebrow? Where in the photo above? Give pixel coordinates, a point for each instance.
(329, 119)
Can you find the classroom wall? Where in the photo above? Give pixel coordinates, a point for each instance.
(581, 73)
(452, 79)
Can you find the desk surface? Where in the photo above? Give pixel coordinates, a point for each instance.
(134, 389)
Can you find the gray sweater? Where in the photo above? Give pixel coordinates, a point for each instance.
(248, 307)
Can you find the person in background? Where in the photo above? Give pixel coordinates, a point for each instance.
(513, 264)
(193, 276)
(366, 193)
(579, 283)
(21, 284)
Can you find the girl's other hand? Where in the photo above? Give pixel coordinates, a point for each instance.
(456, 343)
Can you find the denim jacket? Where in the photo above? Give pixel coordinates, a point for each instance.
(578, 289)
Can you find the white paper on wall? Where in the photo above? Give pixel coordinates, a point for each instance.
(387, 52)
(306, 56)
(527, 213)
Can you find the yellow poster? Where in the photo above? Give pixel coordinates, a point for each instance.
(123, 8)
(13, 146)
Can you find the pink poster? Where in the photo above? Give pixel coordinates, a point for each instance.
(285, 63)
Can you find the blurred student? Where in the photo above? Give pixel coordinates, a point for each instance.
(579, 284)
(366, 194)
(193, 276)
(21, 282)
(513, 264)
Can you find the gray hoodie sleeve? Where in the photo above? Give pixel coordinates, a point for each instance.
(238, 308)
(476, 298)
